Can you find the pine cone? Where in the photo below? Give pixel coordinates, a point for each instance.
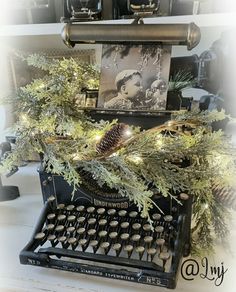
(112, 138)
(225, 195)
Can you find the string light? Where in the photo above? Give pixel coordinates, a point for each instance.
(97, 137)
(206, 206)
(128, 133)
(135, 158)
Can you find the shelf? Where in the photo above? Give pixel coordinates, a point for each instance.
(203, 20)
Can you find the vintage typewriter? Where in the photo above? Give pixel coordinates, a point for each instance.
(98, 232)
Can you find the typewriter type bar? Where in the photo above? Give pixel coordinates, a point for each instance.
(111, 242)
(172, 34)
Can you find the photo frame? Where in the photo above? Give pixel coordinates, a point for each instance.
(134, 77)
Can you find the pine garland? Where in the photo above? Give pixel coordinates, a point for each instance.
(73, 144)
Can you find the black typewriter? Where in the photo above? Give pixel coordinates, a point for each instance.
(98, 232)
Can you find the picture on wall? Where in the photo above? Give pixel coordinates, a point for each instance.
(134, 77)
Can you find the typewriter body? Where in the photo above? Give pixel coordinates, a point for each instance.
(98, 232)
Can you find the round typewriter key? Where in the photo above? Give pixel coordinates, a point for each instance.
(151, 252)
(168, 218)
(50, 227)
(51, 216)
(72, 240)
(70, 229)
(105, 246)
(40, 235)
(51, 237)
(71, 218)
(81, 219)
(117, 248)
(148, 239)
(59, 228)
(81, 230)
(156, 216)
(122, 213)
(90, 210)
(184, 196)
(94, 245)
(124, 225)
(160, 241)
(124, 236)
(114, 223)
(136, 237)
(113, 235)
(128, 248)
(159, 229)
(83, 241)
(60, 206)
(164, 255)
(101, 211)
(111, 212)
(70, 207)
(133, 214)
(147, 227)
(61, 217)
(102, 222)
(62, 239)
(92, 221)
(136, 226)
(140, 251)
(80, 208)
(102, 233)
(92, 232)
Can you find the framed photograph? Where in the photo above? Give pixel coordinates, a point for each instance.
(134, 77)
(22, 74)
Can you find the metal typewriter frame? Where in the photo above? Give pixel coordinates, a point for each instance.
(182, 34)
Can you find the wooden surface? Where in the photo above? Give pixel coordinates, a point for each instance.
(17, 220)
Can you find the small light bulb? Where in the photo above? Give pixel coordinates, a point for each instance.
(128, 133)
(136, 159)
(206, 206)
(98, 137)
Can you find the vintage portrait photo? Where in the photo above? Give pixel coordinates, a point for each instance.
(134, 77)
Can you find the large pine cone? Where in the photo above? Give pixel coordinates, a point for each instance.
(225, 195)
(112, 138)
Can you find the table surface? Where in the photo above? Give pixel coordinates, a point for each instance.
(17, 221)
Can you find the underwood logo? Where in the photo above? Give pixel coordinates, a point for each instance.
(121, 205)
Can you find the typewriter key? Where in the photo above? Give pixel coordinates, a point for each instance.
(111, 212)
(124, 225)
(83, 243)
(59, 228)
(70, 229)
(159, 229)
(92, 221)
(102, 222)
(129, 248)
(81, 219)
(160, 241)
(136, 237)
(105, 246)
(113, 235)
(164, 256)
(39, 236)
(147, 227)
(156, 216)
(50, 227)
(52, 238)
(148, 239)
(122, 213)
(102, 233)
(101, 211)
(90, 210)
(168, 218)
(71, 218)
(60, 206)
(72, 241)
(114, 223)
(136, 226)
(133, 214)
(81, 230)
(151, 252)
(62, 240)
(51, 216)
(70, 207)
(51, 200)
(117, 248)
(80, 208)
(94, 245)
(92, 232)
(140, 251)
(61, 217)
(124, 236)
